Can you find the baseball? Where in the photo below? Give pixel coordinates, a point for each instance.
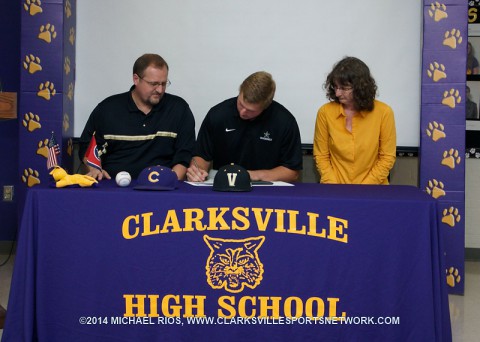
(123, 178)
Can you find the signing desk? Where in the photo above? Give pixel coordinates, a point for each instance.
(305, 263)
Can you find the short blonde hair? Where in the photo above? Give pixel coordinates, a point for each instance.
(258, 88)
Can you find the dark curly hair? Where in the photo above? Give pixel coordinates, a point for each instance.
(351, 71)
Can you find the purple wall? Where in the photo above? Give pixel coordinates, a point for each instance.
(37, 61)
(10, 79)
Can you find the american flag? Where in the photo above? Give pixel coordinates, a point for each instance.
(53, 151)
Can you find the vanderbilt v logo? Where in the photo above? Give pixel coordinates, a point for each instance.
(231, 178)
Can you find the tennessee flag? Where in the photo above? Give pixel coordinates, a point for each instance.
(92, 156)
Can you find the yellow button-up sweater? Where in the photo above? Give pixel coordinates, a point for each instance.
(363, 156)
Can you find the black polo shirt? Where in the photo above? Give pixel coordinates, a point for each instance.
(272, 139)
(166, 136)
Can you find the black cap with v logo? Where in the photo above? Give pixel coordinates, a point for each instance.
(232, 177)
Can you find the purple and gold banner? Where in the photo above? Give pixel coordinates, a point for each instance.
(442, 124)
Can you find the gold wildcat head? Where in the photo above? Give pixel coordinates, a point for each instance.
(234, 264)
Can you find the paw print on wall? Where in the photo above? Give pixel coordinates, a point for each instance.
(43, 148)
(453, 276)
(435, 188)
(450, 158)
(32, 64)
(453, 38)
(66, 65)
(71, 36)
(435, 131)
(33, 7)
(70, 147)
(70, 92)
(438, 11)
(47, 33)
(68, 9)
(46, 90)
(451, 98)
(30, 177)
(451, 216)
(66, 122)
(436, 71)
(31, 121)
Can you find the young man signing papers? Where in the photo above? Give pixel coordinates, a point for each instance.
(250, 130)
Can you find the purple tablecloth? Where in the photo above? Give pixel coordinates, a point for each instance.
(116, 264)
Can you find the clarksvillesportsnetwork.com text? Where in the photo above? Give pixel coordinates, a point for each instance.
(294, 320)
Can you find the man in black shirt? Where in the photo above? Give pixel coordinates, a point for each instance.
(250, 130)
(142, 127)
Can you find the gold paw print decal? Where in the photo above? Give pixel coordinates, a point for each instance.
(66, 122)
(70, 92)
(451, 216)
(436, 71)
(47, 33)
(71, 36)
(451, 98)
(30, 177)
(66, 65)
(437, 11)
(46, 90)
(32, 64)
(33, 7)
(68, 9)
(70, 147)
(452, 38)
(43, 148)
(435, 188)
(453, 276)
(31, 121)
(435, 131)
(450, 158)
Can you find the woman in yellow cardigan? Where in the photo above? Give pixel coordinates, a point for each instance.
(355, 138)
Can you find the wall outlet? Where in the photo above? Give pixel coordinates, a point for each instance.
(8, 193)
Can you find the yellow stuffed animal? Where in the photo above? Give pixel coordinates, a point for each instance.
(63, 179)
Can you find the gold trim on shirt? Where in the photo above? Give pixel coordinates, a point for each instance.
(139, 137)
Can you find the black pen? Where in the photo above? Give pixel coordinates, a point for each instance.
(196, 165)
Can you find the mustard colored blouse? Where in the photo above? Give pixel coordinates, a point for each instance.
(363, 156)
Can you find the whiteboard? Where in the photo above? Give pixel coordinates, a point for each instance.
(211, 46)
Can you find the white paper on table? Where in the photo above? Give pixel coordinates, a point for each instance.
(209, 182)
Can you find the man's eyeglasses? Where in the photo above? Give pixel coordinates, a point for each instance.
(156, 84)
(342, 89)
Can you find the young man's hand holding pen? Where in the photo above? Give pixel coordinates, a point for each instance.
(196, 173)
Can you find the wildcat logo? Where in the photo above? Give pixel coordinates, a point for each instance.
(234, 264)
